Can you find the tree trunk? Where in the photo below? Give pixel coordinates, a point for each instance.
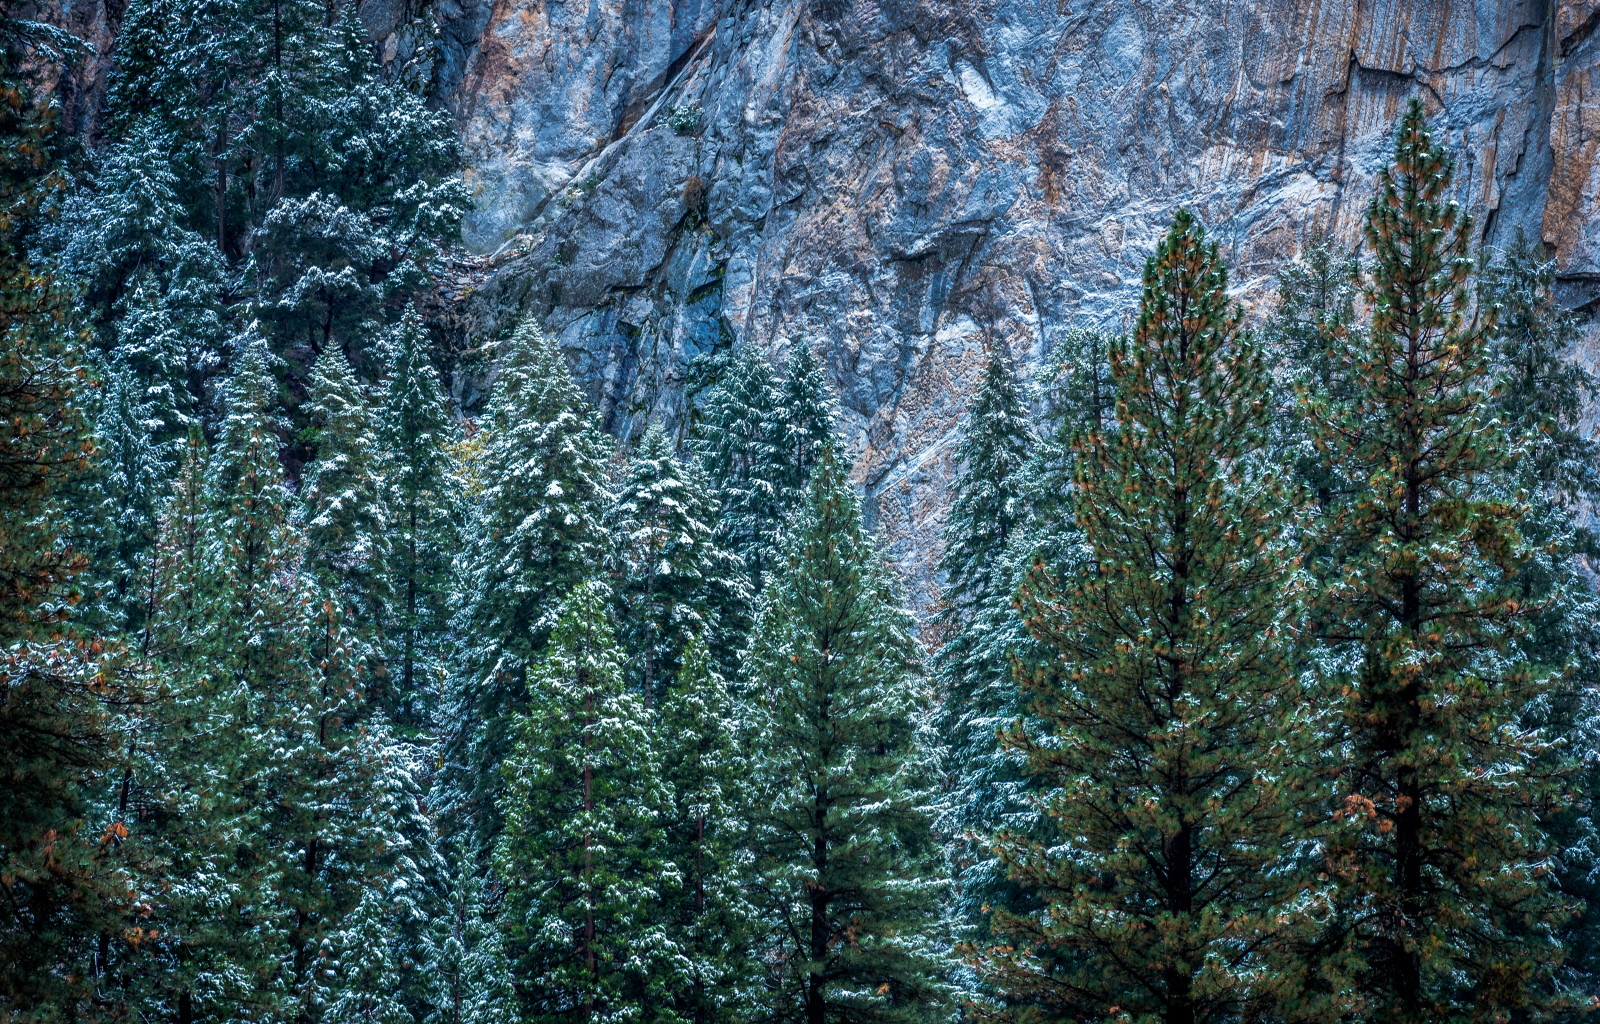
(815, 1005)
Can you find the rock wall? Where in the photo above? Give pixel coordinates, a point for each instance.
(903, 182)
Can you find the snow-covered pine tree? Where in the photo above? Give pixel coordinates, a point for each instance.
(1540, 395)
(1164, 751)
(580, 853)
(466, 954)
(843, 804)
(122, 505)
(1078, 399)
(185, 816)
(327, 186)
(804, 425)
(1444, 861)
(537, 533)
(225, 643)
(347, 521)
(705, 833)
(1317, 295)
(255, 659)
(356, 841)
(738, 443)
(977, 695)
(127, 232)
(672, 580)
(416, 432)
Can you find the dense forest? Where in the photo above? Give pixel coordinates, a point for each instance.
(1262, 689)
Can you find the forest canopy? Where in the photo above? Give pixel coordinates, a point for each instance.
(1262, 686)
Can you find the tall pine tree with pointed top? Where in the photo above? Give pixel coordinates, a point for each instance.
(1443, 857)
(704, 834)
(343, 489)
(976, 691)
(1163, 752)
(844, 781)
(673, 581)
(580, 852)
(415, 432)
(536, 533)
(804, 424)
(736, 441)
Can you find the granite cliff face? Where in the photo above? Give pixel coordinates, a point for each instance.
(902, 182)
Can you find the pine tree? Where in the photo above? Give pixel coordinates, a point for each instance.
(704, 830)
(122, 504)
(1317, 296)
(536, 534)
(187, 822)
(843, 803)
(1164, 752)
(1540, 395)
(472, 977)
(738, 445)
(347, 523)
(1443, 855)
(805, 415)
(127, 232)
(673, 581)
(62, 884)
(415, 434)
(976, 691)
(1078, 399)
(224, 641)
(579, 854)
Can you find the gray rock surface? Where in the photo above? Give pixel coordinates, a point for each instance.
(901, 182)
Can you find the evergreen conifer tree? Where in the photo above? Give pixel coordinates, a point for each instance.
(804, 426)
(127, 231)
(1164, 754)
(976, 691)
(738, 443)
(343, 490)
(62, 885)
(130, 477)
(415, 433)
(537, 533)
(704, 832)
(673, 581)
(467, 955)
(579, 854)
(843, 803)
(1443, 855)
(1541, 394)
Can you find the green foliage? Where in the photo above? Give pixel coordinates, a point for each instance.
(536, 534)
(1442, 851)
(843, 808)
(416, 433)
(1169, 715)
(672, 580)
(704, 834)
(684, 119)
(347, 522)
(976, 693)
(580, 852)
(737, 444)
(60, 873)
